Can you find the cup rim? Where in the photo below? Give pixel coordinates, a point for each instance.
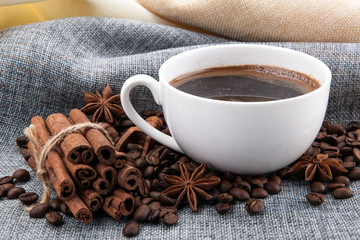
(168, 62)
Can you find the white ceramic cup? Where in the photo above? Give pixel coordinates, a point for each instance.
(240, 137)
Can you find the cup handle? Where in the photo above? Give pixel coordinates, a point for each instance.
(153, 85)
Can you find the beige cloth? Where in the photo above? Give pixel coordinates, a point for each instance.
(267, 20)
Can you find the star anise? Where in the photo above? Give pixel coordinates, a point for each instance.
(102, 106)
(322, 167)
(193, 186)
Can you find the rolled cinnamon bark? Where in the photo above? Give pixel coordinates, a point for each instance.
(103, 149)
(121, 159)
(91, 198)
(32, 164)
(101, 185)
(129, 177)
(112, 206)
(128, 202)
(107, 172)
(78, 208)
(82, 174)
(75, 146)
(135, 134)
(62, 182)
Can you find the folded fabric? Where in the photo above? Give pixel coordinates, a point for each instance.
(45, 67)
(267, 20)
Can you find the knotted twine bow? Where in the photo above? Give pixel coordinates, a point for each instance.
(40, 156)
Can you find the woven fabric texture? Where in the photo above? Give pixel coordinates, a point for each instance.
(266, 20)
(45, 67)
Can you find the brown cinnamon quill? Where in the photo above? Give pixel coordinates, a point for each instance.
(78, 208)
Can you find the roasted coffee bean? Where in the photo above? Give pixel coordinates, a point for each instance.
(131, 229)
(6, 179)
(228, 176)
(65, 209)
(352, 126)
(356, 154)
(169, 219)
(155, 205)
(224, 186)
(238, 179)
(354, 174)
(7, 186)
(152, 158)
(239, 194)
(14, 192)
(342, 193)
(147, 200)
(263, 179)
(256, 183)
(340, 145)
(39, 211)
(25, 153)
(346, 151)
(155, 195)
(155, 185)
(272, 187)
(214, 192)
(275, 178)
(134, 154)
(166, 201)
(315, 198)
(222, 208)
(141, 164)
(333, 186)
(54, 218)
(259, 193)
(126, 123)
(148, 172)
(191, 166)
(22, 141)
(283, 173)
(243, 185)
(141, 213)
(154, 216)
(342, 179)
(254, 206)
(348, 165)
(2, 192)
(335, 128)
(184, 159)
(161, 177)
(225, 198)
(318, 187)
(164, 155)
(137, 202)
(133, 146)
(21, 175)
(28, 198)
(165, 163)
(175, 168)
(55, 204)
(349, 159)
(157, 170)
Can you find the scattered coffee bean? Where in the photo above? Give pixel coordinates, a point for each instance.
(272, 187)
(166, 201)
(239, 194)
(333, 186)
(228, 176)
(254, 206)
(154, 216)
(243, 185)
(6, 179)
(126, 123)
(315, 198)
(348, 165)
(131, 229)
(222, 208)
(169, 219)
(55, 204)
(2, 192)
(39, 211)
(263, 179)
(28, 198)
(318, 187)
(224, 186)
(141, 213)
(14, 192)
(155, 206)
(283, 173)
(146, 201)
(259, 193)
(141, 164)
(21, 175)
(65, 209)
(225, 198)
(342, 193)
(155, 195)
(214, 192)
(25, 153)
(168, 209)
(342, 179)
(7, 187)
(275, 178)
(354, 174)
(54, 218)
(22, 141)
(256, 183)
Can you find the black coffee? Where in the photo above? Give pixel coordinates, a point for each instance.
(248, 83)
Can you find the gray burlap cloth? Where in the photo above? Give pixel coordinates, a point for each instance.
(45, 67)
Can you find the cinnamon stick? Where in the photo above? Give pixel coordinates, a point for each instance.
(121, 159)
(107, 172)
(32, 164)
(129, 177)
(91, 198)
(78, 208)
(59, 176)
(112, 206)
(101, 185)
(75, 146)
(128, 202)
(119, 204)
(103, 149)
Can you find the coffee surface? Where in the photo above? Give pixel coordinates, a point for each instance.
(248, 83)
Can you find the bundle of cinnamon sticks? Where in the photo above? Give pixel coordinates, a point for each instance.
(87, 169)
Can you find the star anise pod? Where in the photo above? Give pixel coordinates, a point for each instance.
(322, 167)
(193, 186)
(102, 106)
